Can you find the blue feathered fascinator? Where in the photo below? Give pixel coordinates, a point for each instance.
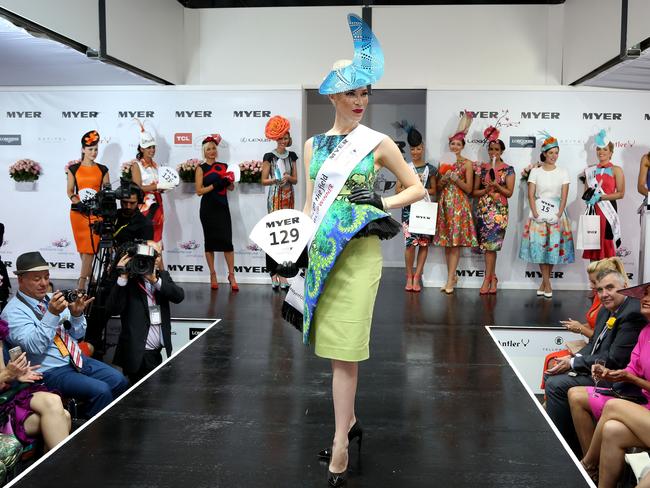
(367, 66)
(600, 139)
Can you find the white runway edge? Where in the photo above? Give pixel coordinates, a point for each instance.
(213, 322)
(576, 461)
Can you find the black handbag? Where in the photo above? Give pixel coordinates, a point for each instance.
(624, 391)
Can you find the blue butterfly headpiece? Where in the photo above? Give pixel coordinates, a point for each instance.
(367, 66)
(600, 139)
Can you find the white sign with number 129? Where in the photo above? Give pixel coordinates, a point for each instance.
(283, 234)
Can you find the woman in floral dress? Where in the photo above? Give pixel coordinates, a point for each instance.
(493, 185)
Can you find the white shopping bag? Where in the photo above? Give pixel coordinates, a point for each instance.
(588, 237)
(423, 218)
(296, 293)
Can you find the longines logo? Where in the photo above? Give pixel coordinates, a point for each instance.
(51, 139)
(602, 115)
(537, 274)
(130, 114)
(251, 113)
(540, 115)
(522, 141)
(183, 138)
(10, 140)
(24, 115)
(193, 114)
(193, 268)
(83, 114)
(483, 114)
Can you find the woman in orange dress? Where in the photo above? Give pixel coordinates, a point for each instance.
(85, 178)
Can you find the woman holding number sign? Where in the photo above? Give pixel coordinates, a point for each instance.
(547, 238)
(279, 173)
(345, 260)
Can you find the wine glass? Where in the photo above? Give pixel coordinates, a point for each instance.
(600, 362)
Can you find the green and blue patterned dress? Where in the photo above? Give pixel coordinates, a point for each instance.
(344, 264)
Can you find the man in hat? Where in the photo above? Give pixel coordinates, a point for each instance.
(48, 329)
(618, 325)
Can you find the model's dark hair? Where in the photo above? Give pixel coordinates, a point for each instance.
(139, 155)
(501, 144)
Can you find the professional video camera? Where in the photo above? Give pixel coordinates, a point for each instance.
(143, 258)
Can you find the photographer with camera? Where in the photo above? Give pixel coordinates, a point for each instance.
(130, 224)
(141, 296)
(48, 331)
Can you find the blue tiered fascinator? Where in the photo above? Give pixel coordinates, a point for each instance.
(600, 139)
(366, 67)
(549, 141)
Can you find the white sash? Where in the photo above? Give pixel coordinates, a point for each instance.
(337, 167)
(605, 205)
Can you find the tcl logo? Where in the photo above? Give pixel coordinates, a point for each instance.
(183, 138)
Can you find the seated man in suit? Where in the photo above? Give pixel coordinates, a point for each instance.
(48, 330)
(142, 301)
(618, 325)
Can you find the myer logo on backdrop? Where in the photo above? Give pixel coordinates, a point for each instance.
(522, 141)
(194, 268)
(251, 113)
(192, 114)
(10, 140)
(537, 274)
(602, 115)
(124, 114)
(24, 115)
(83, 114)
(478, 273)
(251, 269)
(483, 114)
(540, 115)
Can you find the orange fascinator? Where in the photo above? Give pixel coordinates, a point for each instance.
(90, 138)
(276, 127)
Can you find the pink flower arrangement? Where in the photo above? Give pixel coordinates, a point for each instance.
(251, 172)
(125, 169)
(187, 169)
(25, 170)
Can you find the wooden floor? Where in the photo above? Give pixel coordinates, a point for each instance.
(247, 405)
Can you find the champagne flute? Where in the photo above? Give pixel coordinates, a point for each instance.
(601, 363)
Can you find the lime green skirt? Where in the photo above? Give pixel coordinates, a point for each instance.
(343, 316)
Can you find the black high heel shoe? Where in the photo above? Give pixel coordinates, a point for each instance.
(337, 479)
(356, 432)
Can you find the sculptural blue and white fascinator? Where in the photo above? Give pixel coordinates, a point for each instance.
(601, 139)
(366, 67)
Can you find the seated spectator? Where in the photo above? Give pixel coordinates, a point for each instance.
(613, 344)
(623, 425)
(48, 331)
(32, 411)
(587, 402)
(143, 305)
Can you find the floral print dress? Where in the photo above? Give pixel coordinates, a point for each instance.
(492, 213)
(455, 226)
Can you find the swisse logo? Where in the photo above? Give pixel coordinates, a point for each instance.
(602, 115)
(61, 265)
(251, 113)
(130, 114)
(83, 114)
(251, 269)
(193, 114)
(193, 268)
(522, 141)
(24, 115)
(540, 115)
(513, 343)
(183, 138)
(471, 273)
(482, 114)
(10, 140)
(538, 274)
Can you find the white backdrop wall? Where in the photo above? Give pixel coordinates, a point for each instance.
(569, 115)
(50, 129)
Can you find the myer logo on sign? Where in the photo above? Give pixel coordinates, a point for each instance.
(84, 114)
(62, 265)
(251, 113)
(135, 113)
(538, 274)
(251, 269)
(602, 115)
(191, 114)
(540, 115)
(24, 115)
(10, 140)
(479, 273)
(482, 114)
(522, 141)
(195, 268)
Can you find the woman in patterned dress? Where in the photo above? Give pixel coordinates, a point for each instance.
(547, 238)
(427, 174)
(455, 227)
(493, 185)
(609, 187)
(279, 173)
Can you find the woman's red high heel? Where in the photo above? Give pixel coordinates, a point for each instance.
(233, 283)
(493, 285)
(484, 290)
(214, 284)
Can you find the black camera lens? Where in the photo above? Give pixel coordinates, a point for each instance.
(70, 295)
